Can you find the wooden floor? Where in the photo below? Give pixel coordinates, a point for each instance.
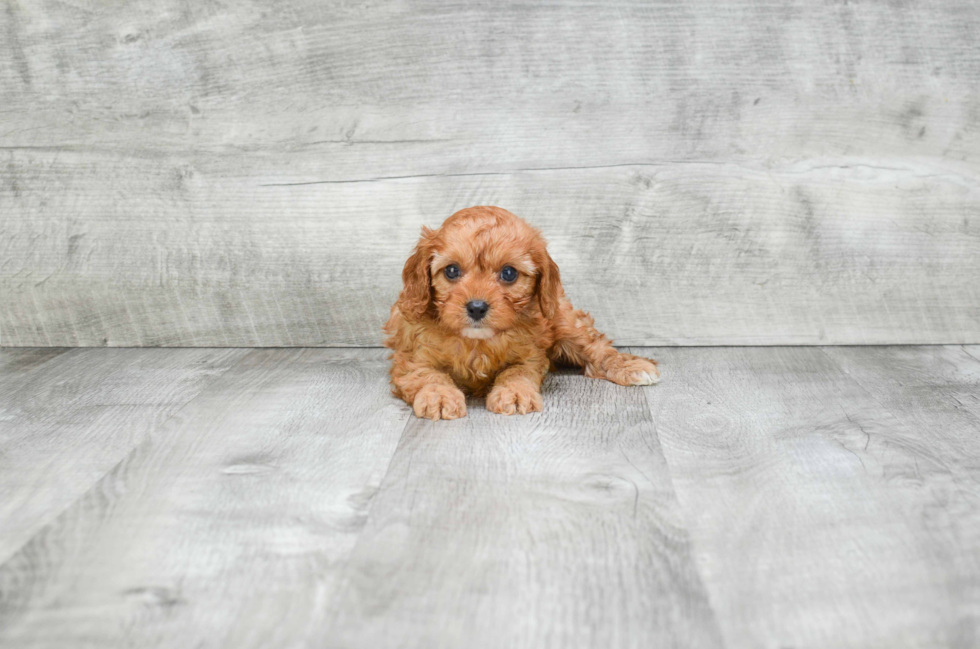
(757, 497)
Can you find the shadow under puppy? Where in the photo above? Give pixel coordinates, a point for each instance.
(483, 311)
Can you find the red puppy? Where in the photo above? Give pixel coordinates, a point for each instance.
(483, 311)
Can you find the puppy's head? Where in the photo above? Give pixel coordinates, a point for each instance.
(480, 273)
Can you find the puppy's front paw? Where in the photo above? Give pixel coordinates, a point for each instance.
(626, 369)
(437, 402)
(510, 398)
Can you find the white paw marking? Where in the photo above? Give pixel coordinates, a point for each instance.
(646, 378)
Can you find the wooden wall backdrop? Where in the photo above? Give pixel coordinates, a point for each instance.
(255, 173)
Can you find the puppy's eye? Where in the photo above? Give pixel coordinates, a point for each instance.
(508, 274)
(451, 271)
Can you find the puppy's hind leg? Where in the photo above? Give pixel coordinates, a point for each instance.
(579, 343)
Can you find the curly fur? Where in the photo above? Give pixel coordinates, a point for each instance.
(439, 352)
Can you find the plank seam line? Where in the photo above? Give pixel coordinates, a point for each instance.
(666, 163)
(691, 541)
(137, 445)
(332, 610)
(967, 352)
(656, 165)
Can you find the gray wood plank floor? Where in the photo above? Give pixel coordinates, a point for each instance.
(757, 497)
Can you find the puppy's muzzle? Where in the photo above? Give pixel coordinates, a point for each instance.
(477, 309)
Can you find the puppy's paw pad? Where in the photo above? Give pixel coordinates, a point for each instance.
(626, 369)
(514, 399)
(437, 402)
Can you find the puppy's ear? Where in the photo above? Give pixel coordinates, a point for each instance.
(417, 292)
(549, 283)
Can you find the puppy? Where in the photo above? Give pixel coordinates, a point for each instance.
(483, 311)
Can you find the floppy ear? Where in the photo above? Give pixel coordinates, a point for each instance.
(417, 292)
(549, 284)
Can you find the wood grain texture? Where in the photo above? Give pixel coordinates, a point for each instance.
(67, 422)
(821, 515)
(226, 527)
(936, 387)
(767, 497)
(708, 173)
(16, 364)
(558, 529)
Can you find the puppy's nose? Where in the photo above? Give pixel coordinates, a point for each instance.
(477, 309)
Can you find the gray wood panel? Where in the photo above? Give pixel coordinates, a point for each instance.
(227, 526)
(823, 517)
(708, 173)
(678, 254)
(65, 423)
(558, 529)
